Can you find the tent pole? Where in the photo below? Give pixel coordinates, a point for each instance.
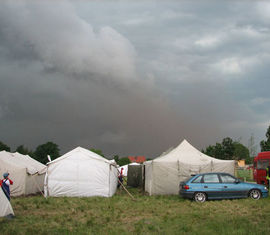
(127, 190)
(125, 187)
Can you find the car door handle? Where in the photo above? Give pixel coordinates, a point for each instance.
(205, 186)
(225, 186)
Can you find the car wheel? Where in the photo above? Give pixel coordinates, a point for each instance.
(200, 197)
(255, 194)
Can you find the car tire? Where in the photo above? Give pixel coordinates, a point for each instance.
(255, 194)
(199, 197)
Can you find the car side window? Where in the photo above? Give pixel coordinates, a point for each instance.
(197, 180)
(213, 178)
(227, 179)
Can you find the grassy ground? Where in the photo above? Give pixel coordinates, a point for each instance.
(146, 215)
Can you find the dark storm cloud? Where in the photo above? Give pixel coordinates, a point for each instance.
(132, 78)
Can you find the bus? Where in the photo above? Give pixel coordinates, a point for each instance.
(261, 162)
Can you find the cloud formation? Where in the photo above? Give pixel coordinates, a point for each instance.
(64, 42)
(133, 78)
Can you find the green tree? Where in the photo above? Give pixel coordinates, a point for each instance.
(210, 151)
(123, 161)
(265, 145)
(4, 147)
(97, 151)
(23, 150)
(228, 148)
(215, 151)
(43, 150)
(219, 151)
(116, 158)
(241, 152)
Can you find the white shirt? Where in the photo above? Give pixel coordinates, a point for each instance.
(7, 182)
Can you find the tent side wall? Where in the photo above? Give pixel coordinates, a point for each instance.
(34, 183)
(80, 176)
(165, 178)
(148, 177)
(113, 180)
(227, 167)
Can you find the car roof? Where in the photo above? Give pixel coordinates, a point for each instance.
(212, 173)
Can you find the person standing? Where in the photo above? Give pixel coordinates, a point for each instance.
(120, 177)
(268, 176)
(5, 184)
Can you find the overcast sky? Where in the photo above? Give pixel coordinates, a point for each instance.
(133, 78)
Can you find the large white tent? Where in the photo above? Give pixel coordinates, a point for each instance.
(25, 172)
(80, 173)
(5, 207)
(163, 174)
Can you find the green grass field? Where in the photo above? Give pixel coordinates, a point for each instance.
(147, 215)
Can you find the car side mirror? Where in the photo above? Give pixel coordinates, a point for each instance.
(237, 181)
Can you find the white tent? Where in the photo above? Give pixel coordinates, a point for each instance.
(80, 173)
(163, 174)
(5, 207)
(24, 172)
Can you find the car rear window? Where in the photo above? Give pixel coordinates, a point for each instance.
(197, 180)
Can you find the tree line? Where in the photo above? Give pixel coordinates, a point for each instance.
(228, 149)
(42, 151)
(232, 149)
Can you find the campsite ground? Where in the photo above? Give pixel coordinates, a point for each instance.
(146, 215)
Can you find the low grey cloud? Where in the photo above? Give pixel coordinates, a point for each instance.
(133, 78)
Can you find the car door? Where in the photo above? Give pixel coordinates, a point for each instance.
(230, 186)
(211, 185)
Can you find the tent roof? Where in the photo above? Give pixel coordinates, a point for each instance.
(185, 152)
(18, 160)
(83, 152)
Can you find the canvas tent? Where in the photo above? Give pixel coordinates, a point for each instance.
(80, 173)
(5, 207)
(163, 174)
(24, 171)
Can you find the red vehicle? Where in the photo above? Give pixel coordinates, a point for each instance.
(261, 162)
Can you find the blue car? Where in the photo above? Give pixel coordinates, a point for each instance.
(219, 186)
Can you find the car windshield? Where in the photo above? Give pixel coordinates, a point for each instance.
(263, 164)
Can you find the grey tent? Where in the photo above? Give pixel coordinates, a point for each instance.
(25, 172)
(163, 174)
